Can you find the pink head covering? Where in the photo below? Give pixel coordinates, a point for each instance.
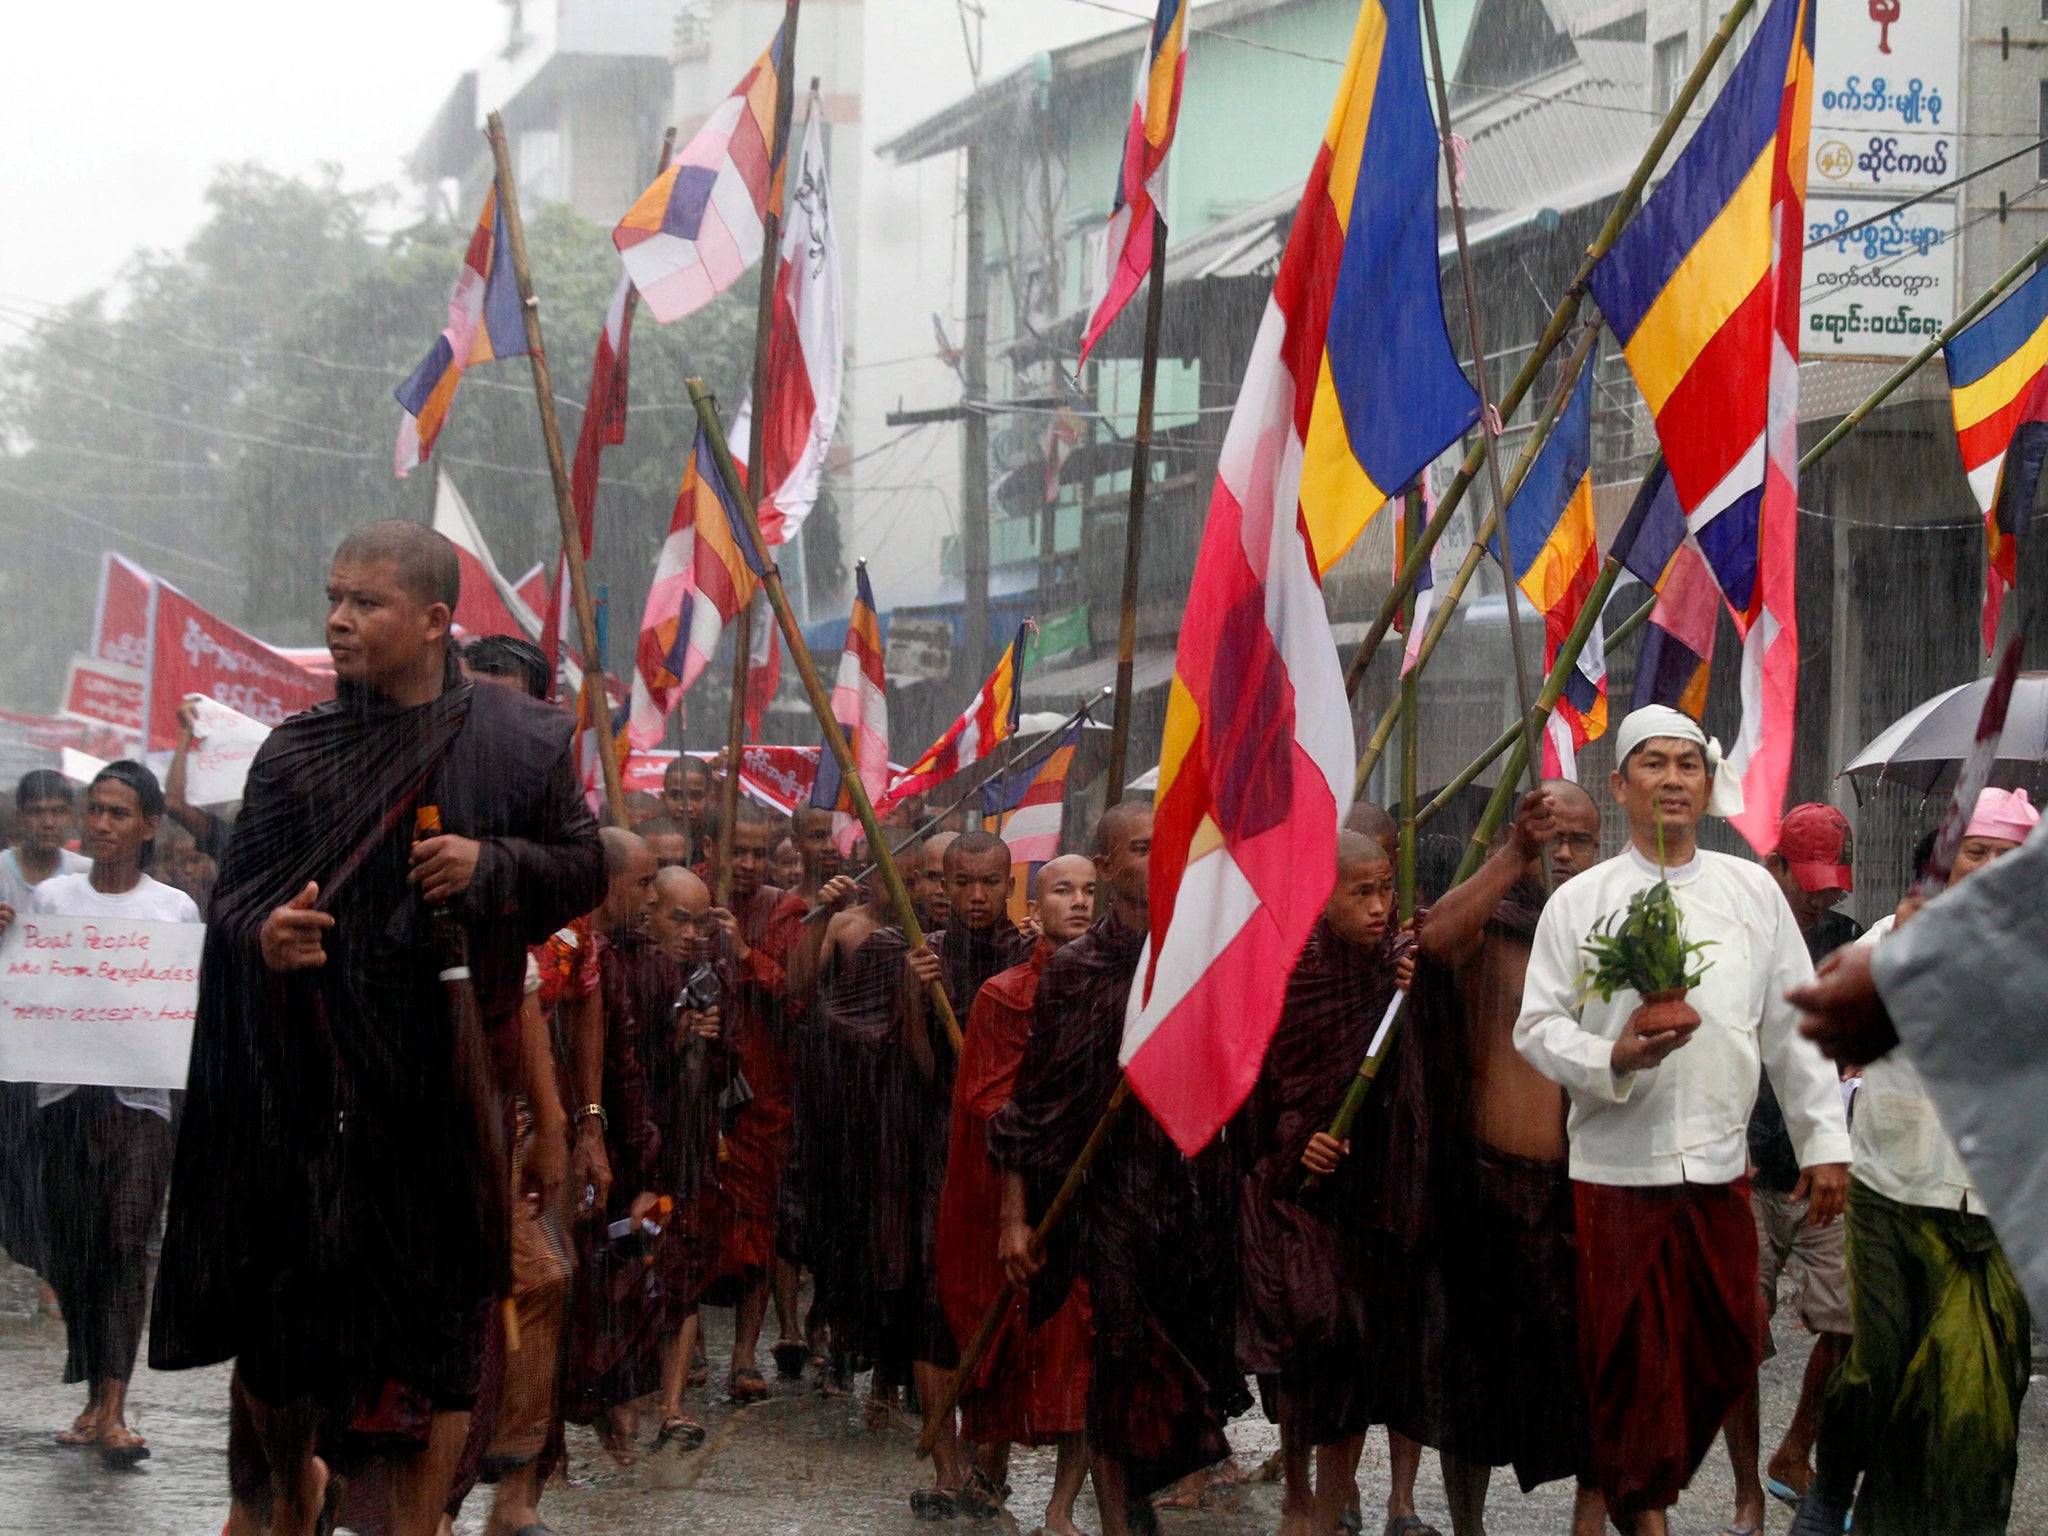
(2006, 814)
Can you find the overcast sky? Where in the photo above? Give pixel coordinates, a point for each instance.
(115, 114)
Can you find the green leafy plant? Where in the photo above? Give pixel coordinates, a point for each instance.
(1643, 948)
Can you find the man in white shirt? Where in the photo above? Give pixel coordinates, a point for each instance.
(46, 810)
(106, 1152)
(1669, 1323)
(1925, 1412)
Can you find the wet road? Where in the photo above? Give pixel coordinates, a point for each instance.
(798, 1465)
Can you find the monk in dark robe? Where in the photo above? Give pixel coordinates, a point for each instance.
(1032, 1384)
(338, 1220)
(1154, 1232)
(762, 925)
(978, 942)
(688, 1067)
(618, 1314)
(1512, 1389)
(1307, 1320)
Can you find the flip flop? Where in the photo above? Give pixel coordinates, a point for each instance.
(933, 1504)
(748, 1386)
(1410, 1525)
(1784, 1493)
(790, 1358)
(123, 1454)
(1743, 1530)
(980, 1499)
(681, 1431)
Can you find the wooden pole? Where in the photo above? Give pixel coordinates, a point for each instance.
(821, 699)
(949, 1396)
(1490, 424)
(1134, 518)
(1454, 592)
(764, 330)
(1552, 338)
(558, 466)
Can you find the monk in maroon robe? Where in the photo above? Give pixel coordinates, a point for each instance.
(1031, 1386)
(1153, 1232)
(1309, 1324)
(762, 925)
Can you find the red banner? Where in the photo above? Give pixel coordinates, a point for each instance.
(120, 619)
(104, 692)
(52, 733)
(192, 651)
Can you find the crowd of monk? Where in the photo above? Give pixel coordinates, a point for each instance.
(487, 1104)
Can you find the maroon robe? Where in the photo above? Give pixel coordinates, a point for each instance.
(684, 1081)
(1153, 1232)
(757, 1147)
(1307, 1313)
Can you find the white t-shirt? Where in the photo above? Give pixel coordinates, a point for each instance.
(14, 886)
(150, 902)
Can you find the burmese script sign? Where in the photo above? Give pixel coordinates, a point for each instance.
(1887, 89)
(1884, 289)
(98, 1000)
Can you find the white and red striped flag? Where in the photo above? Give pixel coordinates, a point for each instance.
(604, 426)
(860, 703)
(489, 605)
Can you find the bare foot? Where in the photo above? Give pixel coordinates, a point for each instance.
(1060, 1525)
(84, 1430)
(1794, 1474)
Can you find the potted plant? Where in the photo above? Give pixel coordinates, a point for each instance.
(1645, 948)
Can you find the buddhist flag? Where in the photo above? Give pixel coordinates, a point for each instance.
(1556, 548)
(485, 322)
(490, 605)
(1141, 179)
(860, 703)
(1702, 288)
(764, 663)
(604, 426)
(703, 576)
(1350, 390)
(701, 223)
(1678, 646)
(989, 721)
(1996, 373)
(1033, 811)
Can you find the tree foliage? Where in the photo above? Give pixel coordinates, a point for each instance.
(228, 422)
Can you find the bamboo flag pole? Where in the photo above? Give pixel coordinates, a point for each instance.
(1405, 875)
(1552, 338)
(821, 699)
(939, 1412)
(1490, 424)
(1446, 605)
(764, 330)
(1134, 518)
(558, 466)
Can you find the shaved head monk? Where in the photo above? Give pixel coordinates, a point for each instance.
(1667, 1274)
(978, 942)
(1154, 1233)
(377, 1291)
(1369, 820)
(760, 929)
(1032, 1386)
(1512, 1395)
(931, 877)
(1307, 1305)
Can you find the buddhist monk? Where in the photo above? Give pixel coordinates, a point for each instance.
(618, 1312)
(1031, 1387)
(1511, 1378)
(1305, 1310)
(1153, 1232)
(978, 942)
(762, 924)
(337, 1255)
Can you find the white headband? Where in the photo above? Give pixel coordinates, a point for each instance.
(1654, 720)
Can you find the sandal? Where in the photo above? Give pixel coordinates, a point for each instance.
(933, 1504)
(789, 1359)
(1410, 1525)
(121, 1447)
(980, 1498)
(681, 1431)
(746, 1386)
(84, 1430)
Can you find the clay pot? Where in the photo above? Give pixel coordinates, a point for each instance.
(1665, 1012)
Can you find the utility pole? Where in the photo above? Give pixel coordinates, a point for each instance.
(974, 430)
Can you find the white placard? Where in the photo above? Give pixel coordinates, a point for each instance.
(98, 1000)
(1887, 95)
(1884, 291)
(218, 765)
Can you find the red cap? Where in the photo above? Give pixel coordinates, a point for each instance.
(1814, 841)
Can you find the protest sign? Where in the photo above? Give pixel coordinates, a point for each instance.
(224, 745)
(120, 619)
(98, 1000)
(193, 651)
(104, 691)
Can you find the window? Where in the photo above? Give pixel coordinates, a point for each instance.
(1668, 66)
